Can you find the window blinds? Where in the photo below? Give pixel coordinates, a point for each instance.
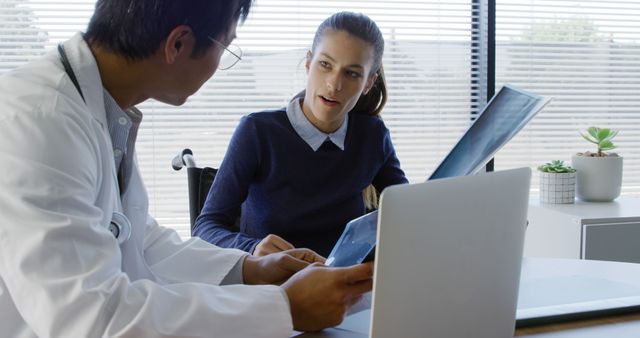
(431, 63)
(584, 54)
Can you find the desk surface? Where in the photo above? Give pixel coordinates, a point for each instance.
(534, 269)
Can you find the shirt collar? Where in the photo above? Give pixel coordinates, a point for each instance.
(120, 124)
(309, 133)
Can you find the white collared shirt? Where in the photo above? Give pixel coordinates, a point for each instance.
(309, 133)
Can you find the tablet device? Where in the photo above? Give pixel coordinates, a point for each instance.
(357, 243)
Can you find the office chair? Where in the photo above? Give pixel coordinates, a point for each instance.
(199, 182)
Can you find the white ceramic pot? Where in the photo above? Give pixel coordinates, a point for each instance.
(557, 187)
(598, 178)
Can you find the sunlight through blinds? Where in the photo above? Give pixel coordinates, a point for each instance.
(431, 63)
(584, 54)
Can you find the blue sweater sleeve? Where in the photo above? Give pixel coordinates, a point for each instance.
(390, 173)
(229, 190)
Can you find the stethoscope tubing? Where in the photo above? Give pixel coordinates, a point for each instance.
(119, 225)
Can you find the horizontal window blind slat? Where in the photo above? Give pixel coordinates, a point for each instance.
(431, 61)
(431, 96)
(584, 54)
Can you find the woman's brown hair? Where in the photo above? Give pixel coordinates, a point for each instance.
(362, 27)
(372, 103)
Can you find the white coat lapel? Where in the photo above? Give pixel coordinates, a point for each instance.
(85, 68)
(86, 71)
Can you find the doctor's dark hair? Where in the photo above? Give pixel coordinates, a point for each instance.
(362, 27)
(136, 28)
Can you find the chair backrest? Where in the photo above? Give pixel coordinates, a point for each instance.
(200, 181)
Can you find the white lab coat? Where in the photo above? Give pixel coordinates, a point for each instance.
(62, 273)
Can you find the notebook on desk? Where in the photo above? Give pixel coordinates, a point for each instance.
(573, 297)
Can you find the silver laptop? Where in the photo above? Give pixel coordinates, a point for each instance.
(448, 259)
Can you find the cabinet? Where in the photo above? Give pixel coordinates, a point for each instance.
(587, 230)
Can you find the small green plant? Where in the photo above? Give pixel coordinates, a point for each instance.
(556, 166)
(601, 137)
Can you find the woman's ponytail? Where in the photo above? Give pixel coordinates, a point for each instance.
(373, 102)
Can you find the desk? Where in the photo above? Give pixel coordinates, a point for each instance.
(607, 231)
(533, 269)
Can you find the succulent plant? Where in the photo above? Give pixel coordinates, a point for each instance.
(601, 137)
(556, 166)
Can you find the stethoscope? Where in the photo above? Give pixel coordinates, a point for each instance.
(119, 225)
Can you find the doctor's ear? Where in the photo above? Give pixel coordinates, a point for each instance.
(177, 42)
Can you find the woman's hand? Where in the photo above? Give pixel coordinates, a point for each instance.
(272, 244)
(276, 268)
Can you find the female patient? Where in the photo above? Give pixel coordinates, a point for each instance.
(295, 176)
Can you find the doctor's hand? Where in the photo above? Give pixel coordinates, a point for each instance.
(320, 296)
(276, 268)
(271, 244)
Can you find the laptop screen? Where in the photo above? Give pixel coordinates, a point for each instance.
(502, 118)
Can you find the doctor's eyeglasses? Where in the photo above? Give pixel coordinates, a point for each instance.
(231, 55)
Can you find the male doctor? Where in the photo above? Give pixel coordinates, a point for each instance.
(70, 183)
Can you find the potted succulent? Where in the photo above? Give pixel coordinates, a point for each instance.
(599, 176)
(557, 182)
